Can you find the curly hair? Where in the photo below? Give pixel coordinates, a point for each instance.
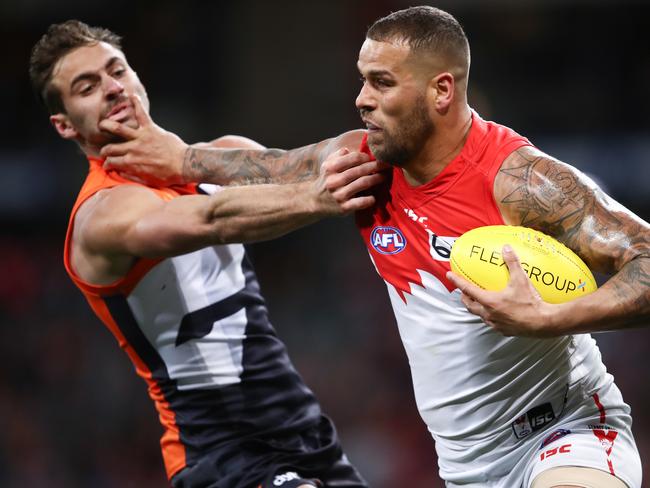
(58, 41)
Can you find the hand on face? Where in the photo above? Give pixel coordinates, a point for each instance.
(516, 310)
(148, 153)
(343, 179)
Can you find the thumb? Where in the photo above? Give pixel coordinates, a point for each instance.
(141, 115)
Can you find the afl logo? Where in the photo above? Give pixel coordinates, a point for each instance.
(387, 240)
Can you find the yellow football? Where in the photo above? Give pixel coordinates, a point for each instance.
(558, 274)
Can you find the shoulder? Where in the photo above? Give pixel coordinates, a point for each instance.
(533, 166)
(537, 190)
(350, 140)
(112, 208)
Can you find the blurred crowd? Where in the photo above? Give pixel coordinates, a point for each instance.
(572, 76)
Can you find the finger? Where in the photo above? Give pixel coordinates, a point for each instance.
(337, 163)
(473, 306)
(339, 180)
(115, 128)
(114, 163)
(112, 150)
(469, 289)
(517, 273)
(359, 185)
(358, 203)
(141, 115)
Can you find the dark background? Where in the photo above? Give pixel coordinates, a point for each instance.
(573, 76)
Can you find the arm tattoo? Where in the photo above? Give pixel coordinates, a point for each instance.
(534, 190)
(635, 275)
(545, 196)
(537, 191)
(248, 167)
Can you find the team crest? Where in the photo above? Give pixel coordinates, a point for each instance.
(387, 240)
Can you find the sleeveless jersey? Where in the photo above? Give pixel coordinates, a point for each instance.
(474, 387)
(197, 331)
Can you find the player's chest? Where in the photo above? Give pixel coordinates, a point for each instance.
(404, 241)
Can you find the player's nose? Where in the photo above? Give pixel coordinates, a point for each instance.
(364, 99)
(112, 86)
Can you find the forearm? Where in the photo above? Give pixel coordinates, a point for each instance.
(262, 212)
(248, 167)
(622, 302)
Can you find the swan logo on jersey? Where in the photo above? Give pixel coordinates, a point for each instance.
(440, 246)
(387, 240)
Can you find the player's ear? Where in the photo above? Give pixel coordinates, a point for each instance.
(441, 90)
(62, 124)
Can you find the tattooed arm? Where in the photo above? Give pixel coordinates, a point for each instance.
(535, 190)
(240, 167)
(155, 155)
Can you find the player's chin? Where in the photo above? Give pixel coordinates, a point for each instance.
(108, 138)
(129, 121)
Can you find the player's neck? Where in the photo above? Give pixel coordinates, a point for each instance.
(442, 147)
(91, 151)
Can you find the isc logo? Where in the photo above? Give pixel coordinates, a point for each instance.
(387, 240)
(541, 420)
(556, 450)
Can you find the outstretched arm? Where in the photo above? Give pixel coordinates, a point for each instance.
(117, 225)
(157, 156)
(535, 190)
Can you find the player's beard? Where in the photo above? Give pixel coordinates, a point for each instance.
(405, 142)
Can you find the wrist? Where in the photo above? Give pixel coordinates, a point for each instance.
(556, 319)
(320, 201)
(187, 172)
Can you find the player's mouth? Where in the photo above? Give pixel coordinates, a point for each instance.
(120, 112)
(372, 128)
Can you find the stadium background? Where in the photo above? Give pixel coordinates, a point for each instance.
(571, 75)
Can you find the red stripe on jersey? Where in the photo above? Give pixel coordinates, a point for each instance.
(601, 409)
(611, 467)
(606, 439)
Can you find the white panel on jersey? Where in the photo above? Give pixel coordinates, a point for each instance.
(184, 284)
(216, 359)
(209, 275)
(471, 382)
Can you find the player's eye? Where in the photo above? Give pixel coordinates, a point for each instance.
(86, 89)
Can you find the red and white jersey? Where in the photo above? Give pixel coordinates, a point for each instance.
(472, 385)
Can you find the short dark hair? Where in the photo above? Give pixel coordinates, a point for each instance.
(424, 28)
(58, 41)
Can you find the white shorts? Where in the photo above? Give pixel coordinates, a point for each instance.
(598, 435)
(593, 431)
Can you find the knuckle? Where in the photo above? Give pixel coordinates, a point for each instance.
(330, 185)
